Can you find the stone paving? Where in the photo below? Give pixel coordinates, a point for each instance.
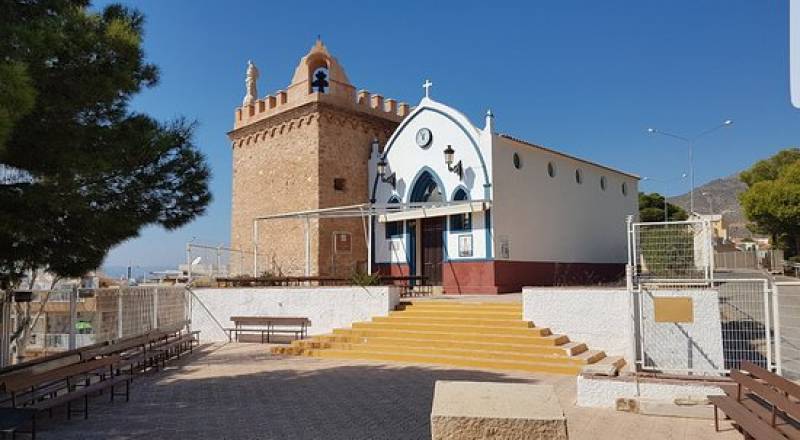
(240, 391)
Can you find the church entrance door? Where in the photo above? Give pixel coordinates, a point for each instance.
(432, 250)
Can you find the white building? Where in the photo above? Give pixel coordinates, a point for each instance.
(503, 214)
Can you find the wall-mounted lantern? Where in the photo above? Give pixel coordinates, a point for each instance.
(448, 159)
(390, 179)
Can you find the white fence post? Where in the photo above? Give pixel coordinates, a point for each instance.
(73, 316)
(119, 313)
(155, 307)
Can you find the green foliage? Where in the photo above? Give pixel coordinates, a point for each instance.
(770, 169)
(360, 278)
(651, 209)
(772, 199)
(99, 171)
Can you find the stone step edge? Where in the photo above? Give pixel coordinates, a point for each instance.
(453, 360)
(585, 358)
(460, 336)
(479, 329)
(571, 348)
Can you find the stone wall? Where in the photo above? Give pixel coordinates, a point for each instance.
(326, 307)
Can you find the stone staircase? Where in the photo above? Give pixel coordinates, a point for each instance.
(464, 334)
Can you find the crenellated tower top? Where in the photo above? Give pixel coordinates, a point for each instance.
(318, 77)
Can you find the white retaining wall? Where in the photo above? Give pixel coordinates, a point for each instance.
(326, 307)
(603, 392)
(603, 319)
(599, 317)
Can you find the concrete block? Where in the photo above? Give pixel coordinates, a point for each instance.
(480, 410)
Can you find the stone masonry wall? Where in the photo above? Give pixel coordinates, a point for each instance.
(344, 148)
(276, 172)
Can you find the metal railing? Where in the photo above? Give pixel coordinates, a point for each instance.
(70, 320)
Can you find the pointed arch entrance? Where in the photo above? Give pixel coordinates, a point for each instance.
(428, 243)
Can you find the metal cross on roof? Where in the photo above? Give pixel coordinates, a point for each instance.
(427, 86)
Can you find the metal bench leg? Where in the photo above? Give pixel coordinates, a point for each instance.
(85, 406)
(716, 419)
(112, 393)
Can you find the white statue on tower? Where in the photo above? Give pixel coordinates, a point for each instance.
(250, 83)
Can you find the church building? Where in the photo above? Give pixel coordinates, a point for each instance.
(464, 207)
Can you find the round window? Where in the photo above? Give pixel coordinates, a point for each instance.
(517, 161)
(551, 169)
(624, 189)
(603, 183)
(578, 176)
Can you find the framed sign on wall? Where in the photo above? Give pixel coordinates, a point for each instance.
(465, 245)
(342, 242)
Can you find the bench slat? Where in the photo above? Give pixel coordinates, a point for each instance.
(767, 393)
(748, 421)
(763, 411)
(773, 379)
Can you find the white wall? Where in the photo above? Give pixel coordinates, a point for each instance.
(405, 158)
(326, 307)
(696, 345)
(555, 218)
(601, 318)
(603, 392)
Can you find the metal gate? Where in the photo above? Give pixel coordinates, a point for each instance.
(686, 319)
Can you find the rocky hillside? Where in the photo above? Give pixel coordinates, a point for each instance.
(722, 196)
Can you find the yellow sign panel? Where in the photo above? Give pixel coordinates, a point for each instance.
(673, 309)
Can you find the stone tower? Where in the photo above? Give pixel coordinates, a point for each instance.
(305, 148)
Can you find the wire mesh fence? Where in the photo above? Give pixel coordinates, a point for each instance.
(208, 261)
(672, 250)
(787, 326)
(51, 319)
(703, 326)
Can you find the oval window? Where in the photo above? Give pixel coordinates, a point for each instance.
(578, 176)
(517, 161)
(603, 183)
(551, 169)
(624, 189)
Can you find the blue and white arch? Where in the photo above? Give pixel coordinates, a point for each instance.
(418, 168)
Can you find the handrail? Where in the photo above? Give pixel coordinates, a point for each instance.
(213, 318)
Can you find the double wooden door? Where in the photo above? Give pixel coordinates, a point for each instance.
(432, 249)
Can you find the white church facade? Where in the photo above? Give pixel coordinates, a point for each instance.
(482, 212)
(460, 206)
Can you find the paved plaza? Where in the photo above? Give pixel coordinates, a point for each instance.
(240, 391)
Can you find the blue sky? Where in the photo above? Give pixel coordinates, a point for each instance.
(584, 77)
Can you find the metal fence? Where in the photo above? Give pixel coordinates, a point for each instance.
(671, 250)
(210, 261)
(63, 319)
(685, 319)
(787, 328)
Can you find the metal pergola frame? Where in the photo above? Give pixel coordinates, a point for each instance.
(365, 211)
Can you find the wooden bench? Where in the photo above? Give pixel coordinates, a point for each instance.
(762, 404)
(267, 326)
(62, 387)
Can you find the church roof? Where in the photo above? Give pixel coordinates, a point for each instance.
(569, 156)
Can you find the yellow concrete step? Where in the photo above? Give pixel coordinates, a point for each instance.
(495, 364)
(587, 357)
(456, 320)
(456, 337)
(459, 308)
(451, 328)
(567, 349)
(464, 304)
(447, 313)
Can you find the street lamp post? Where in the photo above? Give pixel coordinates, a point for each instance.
(690, 141)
